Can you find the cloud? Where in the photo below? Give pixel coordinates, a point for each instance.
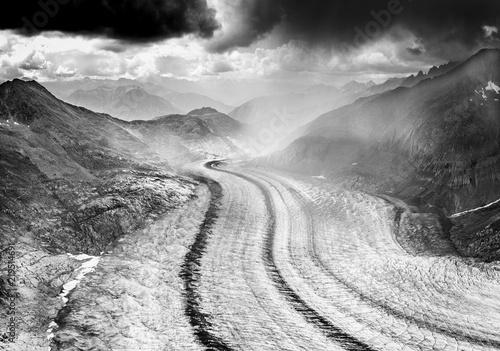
(441, 26)
(50, 57)
(221, 67)
(130, 20)
(417, 51)
(491, 33)
(65, 72)
(34, 61)
(243, 22)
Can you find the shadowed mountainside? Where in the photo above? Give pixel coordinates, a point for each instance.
(436, 143)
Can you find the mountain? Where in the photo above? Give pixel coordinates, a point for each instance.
(435, 145)
(96, 93)
(278, 117)
(58, 157)
(282, 114)
(129, 102)
(193, 101)
(354, 87)
(433, 72)
(71, 181)
(64, 88)
(390, 84)
(61, 139)
(67, 173)
(322, 89)
(437, 142)
(201, 134)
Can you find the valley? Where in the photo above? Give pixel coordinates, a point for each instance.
(371, 222)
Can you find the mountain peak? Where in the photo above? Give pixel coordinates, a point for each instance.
(25, 101)
(203, 111)
(17, 84)
(24, 81)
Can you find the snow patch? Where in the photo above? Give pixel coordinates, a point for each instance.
(87, 267)
(319, 177)
(482, 92)
(493, 86)
(81, 257)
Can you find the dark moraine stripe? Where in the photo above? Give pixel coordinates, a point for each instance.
(190, 273)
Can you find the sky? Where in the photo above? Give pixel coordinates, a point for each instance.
(289, 41)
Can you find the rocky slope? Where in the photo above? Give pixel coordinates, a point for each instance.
(71, 181)
(436, 143)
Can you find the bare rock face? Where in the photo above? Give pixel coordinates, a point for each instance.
(477, 233)
(87, 218)
(134, 299)
(116, 206)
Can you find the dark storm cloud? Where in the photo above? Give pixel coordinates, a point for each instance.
(456, 23)
(131, 20)
(255, 18)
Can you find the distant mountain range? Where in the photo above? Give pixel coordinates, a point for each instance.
(155, 96)
(129, 99)
(129, 102)
(193, 101)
